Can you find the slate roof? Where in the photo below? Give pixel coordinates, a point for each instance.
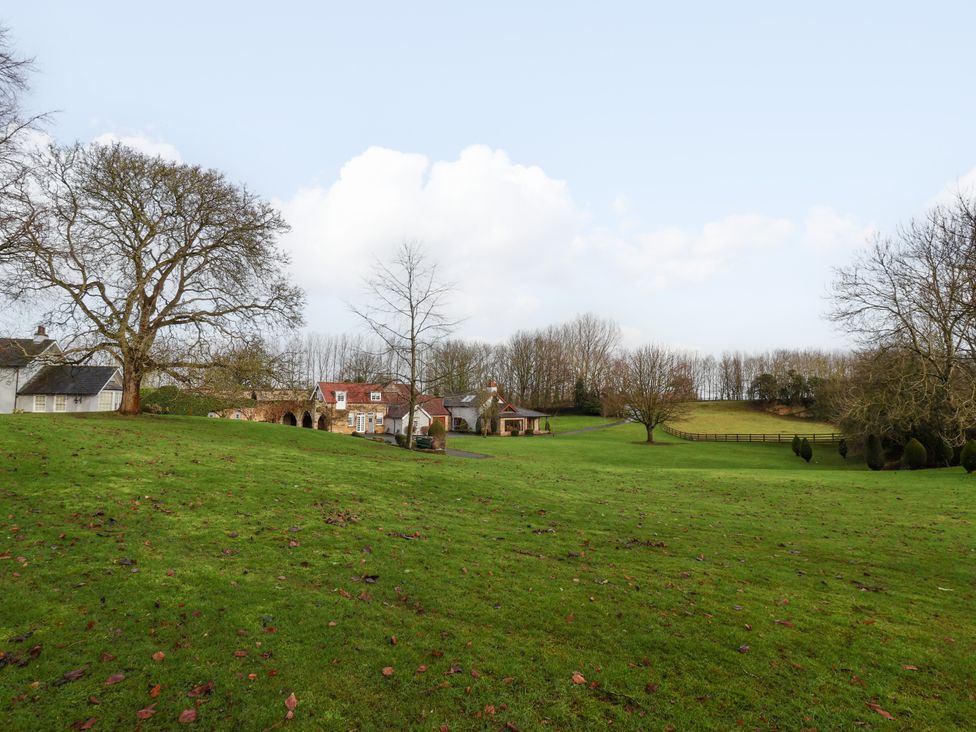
(520, 412)
(463, 400)
(434, 406)
(18, 352)
(80, 380)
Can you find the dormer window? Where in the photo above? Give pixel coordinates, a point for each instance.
(340, 400)
(375, 396)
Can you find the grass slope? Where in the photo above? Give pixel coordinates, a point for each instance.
(696, 586)
(744, 418)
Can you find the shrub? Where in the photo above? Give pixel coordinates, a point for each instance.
(437, 432)
(967, 458)
(842, 448)
(529, 432)
(796, 445)
(915, 455)
(873, 453)
(462, 426)
(401, 439)
(806, 452)
(514, 432)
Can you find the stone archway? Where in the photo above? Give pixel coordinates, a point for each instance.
(289, 419)
(307, 421)
(323, 422)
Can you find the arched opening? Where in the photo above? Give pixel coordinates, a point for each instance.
(290, 420)
(323, 422)
(307, 421)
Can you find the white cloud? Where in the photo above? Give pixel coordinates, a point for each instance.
(964, 185)
(522, 251)
(155, 148)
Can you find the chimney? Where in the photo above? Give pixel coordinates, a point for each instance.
(492, 387)
(40, 335)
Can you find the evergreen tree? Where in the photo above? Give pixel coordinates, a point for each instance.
(796, 445)
(874, 454)
(806, 452)
(915, 456)
(968, 456)
(842, 448)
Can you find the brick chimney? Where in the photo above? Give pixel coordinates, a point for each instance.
(40, 335)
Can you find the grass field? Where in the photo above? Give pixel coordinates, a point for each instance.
(686, 585)
(570, 422)
(743, 418)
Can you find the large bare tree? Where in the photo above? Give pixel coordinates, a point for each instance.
(916, 292)
(147, 261)
(657, 386)
(404, 308)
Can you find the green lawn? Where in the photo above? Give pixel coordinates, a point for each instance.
(692, 585)
(744, 418)
(571, 422)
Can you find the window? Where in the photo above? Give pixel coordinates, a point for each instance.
(59, 402)
(349, 419)
(375, 396)
(468, 398)
(116, 399)
(379, 419)
(40, 403)
(340, 400)
(105, 401)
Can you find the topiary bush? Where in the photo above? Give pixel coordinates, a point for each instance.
(873, 453)
(438, 433)
(915, 455)
(842, 449)
(967, 458)
(796, 445)
(806, 452)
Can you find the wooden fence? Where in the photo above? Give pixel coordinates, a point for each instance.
(814, 437)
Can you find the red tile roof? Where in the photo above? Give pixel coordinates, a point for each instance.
(356, 393)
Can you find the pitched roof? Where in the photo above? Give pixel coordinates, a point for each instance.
(66, 379)
(18, 352)
(434, 406)
(469, 399)
(358, 393)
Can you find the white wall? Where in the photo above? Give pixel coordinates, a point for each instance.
(86, 404)
(8, 390)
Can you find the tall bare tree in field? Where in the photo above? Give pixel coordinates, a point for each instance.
(404, 308)
(147, 261)
(916, 293)
(657, 386)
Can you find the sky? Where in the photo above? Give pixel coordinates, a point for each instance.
(694, 171)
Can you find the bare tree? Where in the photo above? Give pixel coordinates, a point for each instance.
(917, 293)
(404, 309)
(657, 386)
(148, 261)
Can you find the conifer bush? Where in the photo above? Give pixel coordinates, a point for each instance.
(806, 451)
(874, 454)
(796, 445)
(842, 449)
(967, 458)
(915, 455)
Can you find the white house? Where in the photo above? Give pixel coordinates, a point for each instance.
(32, 379)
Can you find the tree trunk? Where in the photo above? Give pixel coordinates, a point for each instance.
(650, 432)
(131, 384)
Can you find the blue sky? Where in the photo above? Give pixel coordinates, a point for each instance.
(692, 170)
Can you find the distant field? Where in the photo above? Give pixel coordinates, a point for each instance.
(163, 564)
(571, 422)
(742, 417)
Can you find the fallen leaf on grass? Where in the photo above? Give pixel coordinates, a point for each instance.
(158, 656)
(743, 649)
(114, 679)
(422, 668)
(910, 668)
(787, 623)
(187, 716)
(290, 703)
(147, 712)
(154, 692)
(201, 690)
(84, 724)
(578, 678)
(877, 708)
(107, 657)
(388, 671)
(240, 654)
(73, 675)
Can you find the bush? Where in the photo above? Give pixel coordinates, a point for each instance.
(401, 439)
(873, 453)
(529, 432)
(967, 458)
(514, 432)
(462, 426)
(437, 433)
(806, 452)
(915, 455)
(842, 448)
(796, 445)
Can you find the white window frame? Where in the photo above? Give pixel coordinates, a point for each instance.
(116, 399)
(375, 396)
(340, 400)
(379, 419)
(60, 402)
(105, 400)
(40, 403)
(361, 422)
(350, 420)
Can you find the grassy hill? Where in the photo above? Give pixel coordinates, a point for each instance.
(696, 585)
(744, 418)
